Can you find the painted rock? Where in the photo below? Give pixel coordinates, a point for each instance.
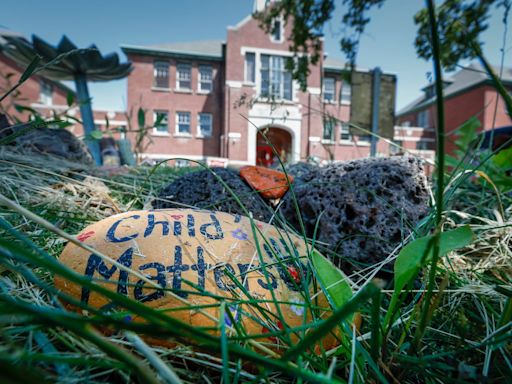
(271, 184)
(194, 254)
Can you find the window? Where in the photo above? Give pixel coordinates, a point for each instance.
(345, 92)
(183, 123)
(276, 32)
(365, 138)
(329, 126)
(276, 81)
(46, 93)
(422, 145)
(205, 124)
(396, 149)
(205, 78)
(250, 67)
(345, 132)
(183, 76)
(161, 122)
(161, 74)
(423, 119)
(329, 89)
(181, 163)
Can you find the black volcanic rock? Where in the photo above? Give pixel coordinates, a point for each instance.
(364, 208)
(202, 189)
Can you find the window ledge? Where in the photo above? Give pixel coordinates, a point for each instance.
(275, 101)
(203, 92)
(156, 133)
(203, 137)
(248, 84)
(159, 89)
(329, 101)
(178, 90)
(330, 142)
(183, 135)
(346, 142)
(343, 102)
(363, 143)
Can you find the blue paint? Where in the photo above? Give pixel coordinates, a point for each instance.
(111, 233)
(96, 264)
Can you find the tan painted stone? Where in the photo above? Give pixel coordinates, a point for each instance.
(174, 246)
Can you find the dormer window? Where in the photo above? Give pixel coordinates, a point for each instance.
(276, 33)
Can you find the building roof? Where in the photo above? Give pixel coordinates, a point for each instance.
(210, 49)
(3, 41)
(463, 80)
(334, 64)
(7, 32)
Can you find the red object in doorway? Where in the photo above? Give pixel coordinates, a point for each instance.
(264, 155)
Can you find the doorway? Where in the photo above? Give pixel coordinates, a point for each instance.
(280, 139)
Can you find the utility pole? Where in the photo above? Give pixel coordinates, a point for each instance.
(375, 111)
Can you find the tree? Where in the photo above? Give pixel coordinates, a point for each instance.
(460, 24)
(67, 62)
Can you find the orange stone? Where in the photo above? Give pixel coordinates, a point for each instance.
(271, 184)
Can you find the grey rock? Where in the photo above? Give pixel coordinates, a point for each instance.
(51, 141)
(302, 172)
(364, 208)
(202, 189)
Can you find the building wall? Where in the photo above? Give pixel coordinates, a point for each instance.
(479, 102)
(143, 94)
(496, 114)
(28, 94)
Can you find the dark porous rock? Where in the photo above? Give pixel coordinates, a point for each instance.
(51, 141)
(302, 171)
(201, 189)
(364, 208)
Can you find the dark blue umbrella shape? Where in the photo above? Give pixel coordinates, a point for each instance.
(67, 62)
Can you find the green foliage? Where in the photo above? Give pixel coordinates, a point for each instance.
(418, 253)
(460, 24)
(332, 280)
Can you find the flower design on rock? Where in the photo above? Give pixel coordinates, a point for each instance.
(233, 309)
(297, 309)
(239, 234)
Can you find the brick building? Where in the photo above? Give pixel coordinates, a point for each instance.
(469, 92)
(213, 99)
(45, 97)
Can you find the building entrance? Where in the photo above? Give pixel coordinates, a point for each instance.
(280, 139)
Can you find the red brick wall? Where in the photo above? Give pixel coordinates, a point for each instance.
(502, 118)
(27, 94)
(142, 94)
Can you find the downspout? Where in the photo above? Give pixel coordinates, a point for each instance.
(308, 151)
(84, 101)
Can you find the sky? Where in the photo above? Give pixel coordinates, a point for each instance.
(388, 41)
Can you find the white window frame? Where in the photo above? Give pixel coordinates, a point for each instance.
(324, 90)
(45, 93)
(424, 119)
(281, 30)
(156, 131)
(201, 81)
(200, 132)
(345, 92)
(178, 115)
(345, 130)
(332, 139)
(250, 78)
(178, 73)
(276, 69)
(160, 65)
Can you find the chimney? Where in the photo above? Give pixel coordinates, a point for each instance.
(259, 5)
